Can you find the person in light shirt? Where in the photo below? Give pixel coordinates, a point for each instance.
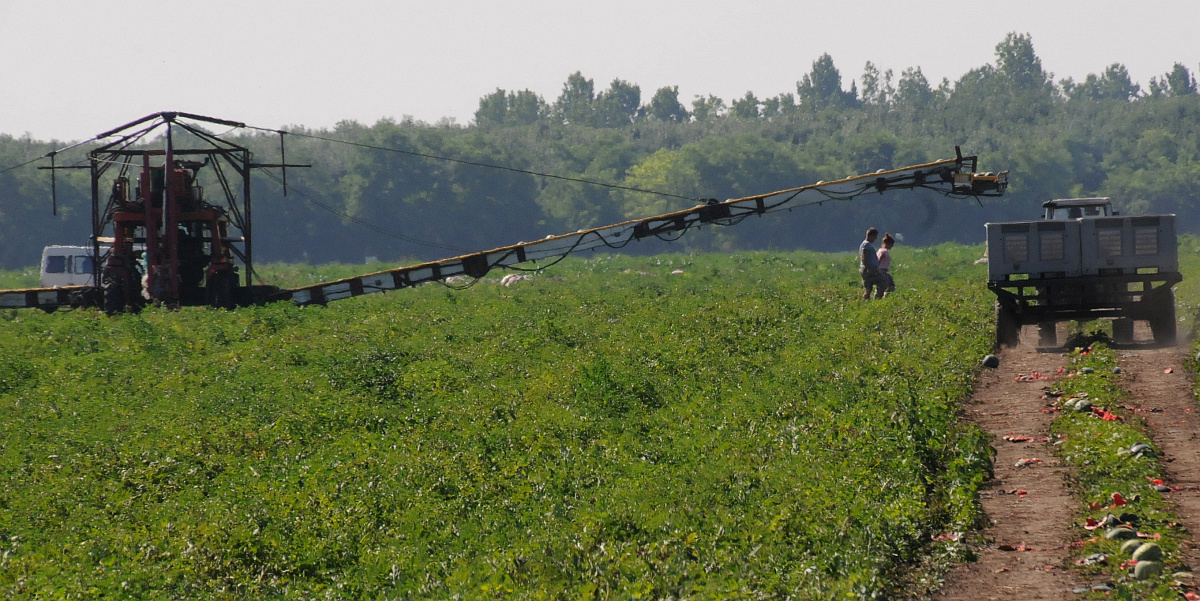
(886, 283)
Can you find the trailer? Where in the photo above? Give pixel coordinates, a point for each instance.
(1083, 262)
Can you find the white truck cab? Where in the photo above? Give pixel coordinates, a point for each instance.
(1078, 208)
(67, 266)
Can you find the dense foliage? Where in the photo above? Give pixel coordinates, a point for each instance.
(1103, 136)
(703, 426)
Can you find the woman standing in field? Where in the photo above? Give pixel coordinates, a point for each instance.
(886, 283)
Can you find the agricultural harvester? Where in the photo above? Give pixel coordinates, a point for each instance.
(156, 236)
(159, 239)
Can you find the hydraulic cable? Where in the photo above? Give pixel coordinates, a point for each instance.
(360, 222)
(484, 165)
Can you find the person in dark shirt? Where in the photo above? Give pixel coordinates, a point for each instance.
(868, 263)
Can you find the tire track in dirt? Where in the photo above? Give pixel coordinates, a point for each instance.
(1161, 390)
(1038, 520)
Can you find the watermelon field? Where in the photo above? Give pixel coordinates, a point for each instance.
(676, 426)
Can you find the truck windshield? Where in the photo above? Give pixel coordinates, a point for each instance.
(1077, 212)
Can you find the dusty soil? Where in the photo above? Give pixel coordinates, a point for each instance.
(1025, 553)
(1162, 389)
(1025, 550)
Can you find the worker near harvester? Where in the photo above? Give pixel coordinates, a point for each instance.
(886, 283)
(868, 263)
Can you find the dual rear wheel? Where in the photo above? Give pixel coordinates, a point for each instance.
(1162, 318)
(1008, 326)
(1160, 314)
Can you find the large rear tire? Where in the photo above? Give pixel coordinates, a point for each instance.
(1048, 334)
(1122, 330)
(114, 294)
(1162, 319)
(221, 286)
(1008, 327)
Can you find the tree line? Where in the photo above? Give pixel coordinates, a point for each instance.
(1102, 136)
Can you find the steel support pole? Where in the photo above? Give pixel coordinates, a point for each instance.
(247, 229)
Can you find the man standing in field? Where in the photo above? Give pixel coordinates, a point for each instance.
(868, 263)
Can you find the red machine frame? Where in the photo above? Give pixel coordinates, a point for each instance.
(169, 244)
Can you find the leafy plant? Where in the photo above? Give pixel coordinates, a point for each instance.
(741, 428)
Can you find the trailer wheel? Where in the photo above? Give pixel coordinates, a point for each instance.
(1162, 319)
(1122, 330)
(1008, 327)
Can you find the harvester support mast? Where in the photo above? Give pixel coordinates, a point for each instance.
(166, 237)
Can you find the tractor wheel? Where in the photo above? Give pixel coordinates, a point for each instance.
(1008, 327)
(1122, 331)
(1162, 319)
(114, 294)
(221, 285)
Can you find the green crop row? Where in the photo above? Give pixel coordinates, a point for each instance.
(743, 428)
(1108, 444)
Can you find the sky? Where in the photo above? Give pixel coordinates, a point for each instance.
(70, 69)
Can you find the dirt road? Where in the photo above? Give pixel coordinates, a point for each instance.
(1029, 506)
(1163, 391)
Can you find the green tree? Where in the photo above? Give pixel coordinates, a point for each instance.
(1038, 168)
(876, 87)
(618, 106)
(1113, 84)
(574, 105)
(1019, 67)
(1156, 173)
(1081, 139)
(822, 87)
(1014, 92)
(572, 205)
(28, 221)
(745, 107)
(664, 171)
(481, 208)
(913, 89)
(778, 106)
(1179, 82)
(493, 109)
(391, 188)
(705, 108)
(525, 108)
(665, 106)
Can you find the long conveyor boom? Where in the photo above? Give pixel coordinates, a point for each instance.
(953, 177)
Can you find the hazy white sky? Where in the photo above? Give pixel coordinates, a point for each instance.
(70, 69)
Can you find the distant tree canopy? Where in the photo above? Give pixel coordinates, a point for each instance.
(822, 87)
(1103, 136)
(512, 108)
(665, 106)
